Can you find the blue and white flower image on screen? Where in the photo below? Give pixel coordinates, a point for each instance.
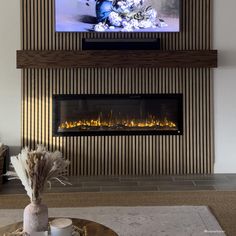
(117, 15)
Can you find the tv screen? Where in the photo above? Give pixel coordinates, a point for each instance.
(117, 15)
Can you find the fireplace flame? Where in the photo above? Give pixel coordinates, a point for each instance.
(150, 122)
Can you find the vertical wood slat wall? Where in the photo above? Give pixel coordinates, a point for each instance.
(121, 155)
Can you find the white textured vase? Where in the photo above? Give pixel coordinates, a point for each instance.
(35, 218)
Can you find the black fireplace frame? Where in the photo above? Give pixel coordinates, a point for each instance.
(58, 97)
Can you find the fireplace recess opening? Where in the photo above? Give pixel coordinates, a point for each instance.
(152, 114)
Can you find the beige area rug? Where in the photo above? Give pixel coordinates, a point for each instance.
(221, 203)
(139, 221)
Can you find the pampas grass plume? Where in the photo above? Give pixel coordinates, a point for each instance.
(38, 168)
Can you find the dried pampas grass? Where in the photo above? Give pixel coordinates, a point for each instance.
(38, 168)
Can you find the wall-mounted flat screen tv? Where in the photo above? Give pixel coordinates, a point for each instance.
(117, 15)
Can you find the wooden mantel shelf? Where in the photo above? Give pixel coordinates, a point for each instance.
(116, 58)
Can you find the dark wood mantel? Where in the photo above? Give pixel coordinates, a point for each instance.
(127, 58)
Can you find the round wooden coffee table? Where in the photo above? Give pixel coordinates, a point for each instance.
(92, 228)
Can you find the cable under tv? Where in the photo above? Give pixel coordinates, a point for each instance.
(121, 44)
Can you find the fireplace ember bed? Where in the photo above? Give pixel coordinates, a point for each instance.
(139, 114)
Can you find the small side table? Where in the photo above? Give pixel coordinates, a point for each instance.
(93, 228)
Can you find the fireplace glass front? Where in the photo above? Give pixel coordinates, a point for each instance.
(154, 114)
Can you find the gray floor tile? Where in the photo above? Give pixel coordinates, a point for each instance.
(161, 183)
(200, 177)
(111, 183)
(184, 188)
(129, 188)
(211, 182)
(74, 189)
(98, 178)
(225, 188)
(146, 178)
(231, 177)
(219, 182)
(12, 191)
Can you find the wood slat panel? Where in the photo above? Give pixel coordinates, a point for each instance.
(121, 155)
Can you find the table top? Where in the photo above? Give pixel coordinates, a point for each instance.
(93, 228)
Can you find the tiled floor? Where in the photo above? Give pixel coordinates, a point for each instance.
(133, 183)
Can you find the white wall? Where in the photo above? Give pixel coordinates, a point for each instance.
(10, 90)
(225, 86)
(224, 37)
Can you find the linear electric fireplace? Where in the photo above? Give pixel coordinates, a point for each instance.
(75, 115)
